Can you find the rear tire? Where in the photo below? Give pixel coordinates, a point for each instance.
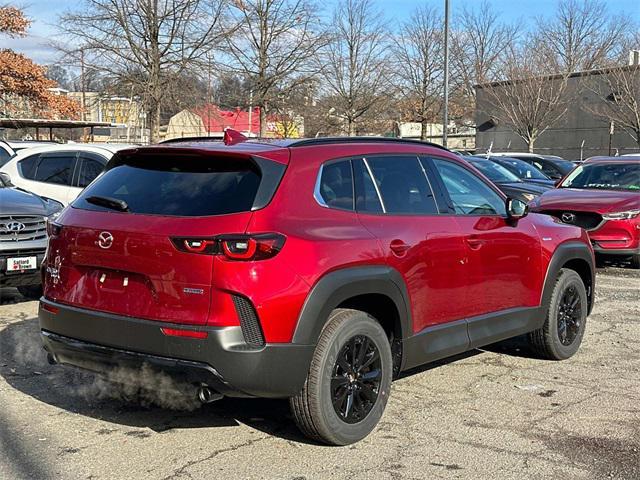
(32, 292)
(349, 381)
(635, 261)
(563, 329)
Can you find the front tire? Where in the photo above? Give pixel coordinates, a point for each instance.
(349, 381)
(563, 329)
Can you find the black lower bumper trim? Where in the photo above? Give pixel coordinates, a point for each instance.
(616, 251)
(99, 359)
(99, 341)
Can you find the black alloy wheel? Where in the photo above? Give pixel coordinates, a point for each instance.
(569, 316)
(355, 383)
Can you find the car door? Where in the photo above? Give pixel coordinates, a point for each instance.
(502, 256)
(89, 166)
(397, 204)
(50, 174)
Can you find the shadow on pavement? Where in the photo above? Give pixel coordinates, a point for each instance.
(11, 296)
(24, 366)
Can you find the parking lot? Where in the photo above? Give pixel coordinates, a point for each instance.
(496, 413)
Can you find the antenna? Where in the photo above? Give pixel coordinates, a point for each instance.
(231, 137)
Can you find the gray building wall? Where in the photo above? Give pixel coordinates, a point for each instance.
(564, 138)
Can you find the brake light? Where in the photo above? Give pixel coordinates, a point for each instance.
(234, 247)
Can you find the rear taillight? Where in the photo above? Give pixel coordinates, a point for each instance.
(234, 247)
(53, 228)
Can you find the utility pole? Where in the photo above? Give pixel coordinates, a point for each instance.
(445, 115)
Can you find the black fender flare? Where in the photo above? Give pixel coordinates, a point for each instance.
(565, 252)
(340, 285)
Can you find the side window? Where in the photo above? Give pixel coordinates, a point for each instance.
(90, 167)
(55, 168)
(27, 167)
(4, 156)
(336, 185)
(402, 184)
(548, 169)
(367, 195)
(469, 194)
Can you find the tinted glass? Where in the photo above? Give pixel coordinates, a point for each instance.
(493, 171)
(178, 186)
(367, 199)
(4, 156)
(522, 169)
(605, 176)
(28, 166)
(90, 168)
(336, 185)
(402, 184)
(55, 168)
(469, 194)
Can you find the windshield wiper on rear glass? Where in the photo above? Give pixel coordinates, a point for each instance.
(108, 202)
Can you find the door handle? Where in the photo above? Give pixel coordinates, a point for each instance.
(398, 247)
(474, 242)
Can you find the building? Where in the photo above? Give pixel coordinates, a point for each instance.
(580, 133)
(124, 113)
(210, 120)
(458, 137)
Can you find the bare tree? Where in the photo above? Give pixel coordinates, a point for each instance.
(356, 61)
(480, 41)
(417, 58)
(527, 102)
(146, 44)
(618, 92)
(274, 45)
(582, 35)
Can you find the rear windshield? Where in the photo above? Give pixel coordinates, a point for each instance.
(177, 186)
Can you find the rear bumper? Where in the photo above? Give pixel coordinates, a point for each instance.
(615, 251)
(99, 342)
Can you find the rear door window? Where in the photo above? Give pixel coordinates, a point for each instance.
(55, 168)
(178, 185)
(402, 184)
(28, 167)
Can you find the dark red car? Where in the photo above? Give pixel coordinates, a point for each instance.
(602, 196)
(312, 269)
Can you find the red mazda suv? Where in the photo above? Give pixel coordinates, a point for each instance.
(312, 269)
(602, 196)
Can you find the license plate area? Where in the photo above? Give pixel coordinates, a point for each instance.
(22, 264)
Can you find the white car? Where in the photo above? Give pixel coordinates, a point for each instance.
(59, 171)
(6, 152)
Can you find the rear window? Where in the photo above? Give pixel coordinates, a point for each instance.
(178, 186)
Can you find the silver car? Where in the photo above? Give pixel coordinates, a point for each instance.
(23, 237)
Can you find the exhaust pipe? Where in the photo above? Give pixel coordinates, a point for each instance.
(51, 359)
(206, 395)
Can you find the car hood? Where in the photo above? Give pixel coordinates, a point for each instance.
(14, 201)
(600, 201)
(525, 187)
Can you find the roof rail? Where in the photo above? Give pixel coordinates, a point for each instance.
(304, 142)
(215, 138)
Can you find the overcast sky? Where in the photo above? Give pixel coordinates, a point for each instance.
(44, 14)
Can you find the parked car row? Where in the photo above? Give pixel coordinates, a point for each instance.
(37, 179)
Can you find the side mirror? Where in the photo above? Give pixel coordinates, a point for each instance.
(557, 182)
(516, 209)
(5, 179)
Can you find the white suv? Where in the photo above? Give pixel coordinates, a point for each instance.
(59, 171)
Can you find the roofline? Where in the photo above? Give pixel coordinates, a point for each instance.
(584, 73)
(304, 142)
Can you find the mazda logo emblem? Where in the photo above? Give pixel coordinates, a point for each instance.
(105, 240)
(14, 227)
(568, 217)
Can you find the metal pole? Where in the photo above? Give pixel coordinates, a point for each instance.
(445, 116)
